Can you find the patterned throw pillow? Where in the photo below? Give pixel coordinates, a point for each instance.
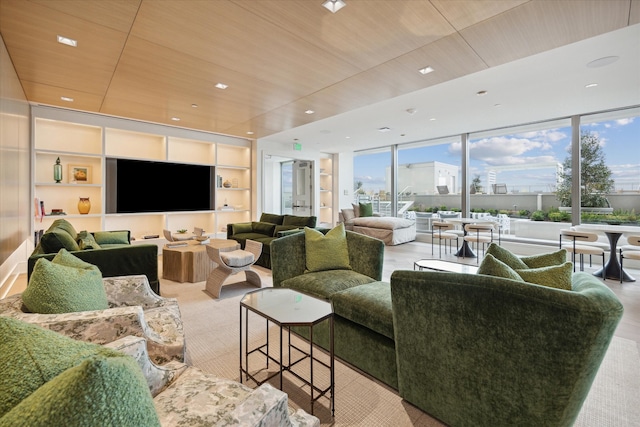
(326, 252)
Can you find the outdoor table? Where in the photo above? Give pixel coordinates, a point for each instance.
(612, 268)
(465, 250)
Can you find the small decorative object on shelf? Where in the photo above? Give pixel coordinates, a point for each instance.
(57, 171)
(227, 184)
(84, 205)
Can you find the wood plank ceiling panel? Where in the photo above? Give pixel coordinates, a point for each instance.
(538, 26)
(222, 33)
(51, 95)
(393, 78)
(30, 32)
(147, 73)
(465, 13)
(365, 34)
(634, 15)
(117, 15)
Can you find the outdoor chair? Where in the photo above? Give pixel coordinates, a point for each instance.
(481, 233)
(442, 231)
(631, 251)
(581, 248)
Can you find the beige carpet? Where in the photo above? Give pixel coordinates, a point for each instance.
(212, 333)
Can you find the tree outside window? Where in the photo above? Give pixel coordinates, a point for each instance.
(595, 176)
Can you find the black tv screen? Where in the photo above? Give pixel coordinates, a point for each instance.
(148, 186)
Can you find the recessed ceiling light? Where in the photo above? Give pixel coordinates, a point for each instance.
(347, 137)
(309, 112)
(175, 119)
(67, 41)
(249, 133)
(426, 70)
(432, 119)
(194, 105)
(334, 5)
(481, 93)
(411, 111)
(591, 85)
(384, 129)
(66, 98)
(221, 86)
(601, 62)
(497, 105)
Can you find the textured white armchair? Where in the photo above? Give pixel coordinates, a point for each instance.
(186, 396)
(134, 309)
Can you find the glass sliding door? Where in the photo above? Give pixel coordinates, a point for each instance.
(372, 179)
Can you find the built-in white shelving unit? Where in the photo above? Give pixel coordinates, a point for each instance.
(84, 140)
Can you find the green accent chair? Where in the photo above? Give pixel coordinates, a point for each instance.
(477, 350)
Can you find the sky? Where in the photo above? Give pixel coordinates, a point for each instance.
(620, 141)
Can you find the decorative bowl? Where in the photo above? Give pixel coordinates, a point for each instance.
(182, 231)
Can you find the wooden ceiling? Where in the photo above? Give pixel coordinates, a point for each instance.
(154, 60)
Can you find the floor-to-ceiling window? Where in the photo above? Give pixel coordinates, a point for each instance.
(507, 166)
(610, 166)
(372, 179)
(523, 171)
(429, 178)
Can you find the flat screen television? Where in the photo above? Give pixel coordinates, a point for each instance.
(151, 186)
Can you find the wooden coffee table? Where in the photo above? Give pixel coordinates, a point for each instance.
(190, 263)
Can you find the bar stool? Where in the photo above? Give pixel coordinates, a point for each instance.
(479, 233)
(439, 230)
(631, 251)
(580, 249)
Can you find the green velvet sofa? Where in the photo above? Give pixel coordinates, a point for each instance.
(114, 254)
(470, 350)
(363, 324)
(270, 227)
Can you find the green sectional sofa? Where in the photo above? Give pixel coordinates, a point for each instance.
(470, 350)
(270, 227)
(363, 332)
(111, 251)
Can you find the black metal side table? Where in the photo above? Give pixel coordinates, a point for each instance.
(287, 308)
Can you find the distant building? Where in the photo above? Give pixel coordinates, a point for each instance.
(424, 178)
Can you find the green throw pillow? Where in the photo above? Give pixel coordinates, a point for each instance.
(326, 252)
(112, 237)
(265, 228)
(68, 259)
(87, 241)
(491, 266)
(98, 392)
(241, 227)
(366, 209)
(299, 221)
(57, 288)
(61, 235)
(554, 276)
(506, 256)
(558, 257)
(30, 356)
(272, 218)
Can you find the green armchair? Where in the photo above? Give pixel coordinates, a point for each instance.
(477, 350)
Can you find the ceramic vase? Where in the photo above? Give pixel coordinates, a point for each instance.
(84, 205)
